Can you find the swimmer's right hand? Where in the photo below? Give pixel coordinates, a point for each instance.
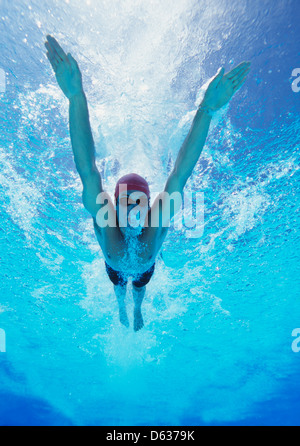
(65, 67)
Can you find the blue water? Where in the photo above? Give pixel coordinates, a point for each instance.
(220, 309)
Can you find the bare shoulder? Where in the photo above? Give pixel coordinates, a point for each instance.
(110, 233)
(111, 242)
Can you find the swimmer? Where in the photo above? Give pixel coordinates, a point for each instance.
(130, 243)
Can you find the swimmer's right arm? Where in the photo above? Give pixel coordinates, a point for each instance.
(69, 79)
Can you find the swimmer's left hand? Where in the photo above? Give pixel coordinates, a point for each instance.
(223, 87)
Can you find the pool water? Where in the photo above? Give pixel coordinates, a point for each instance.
(221, 307)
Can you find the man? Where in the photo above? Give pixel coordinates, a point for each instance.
(130, 249)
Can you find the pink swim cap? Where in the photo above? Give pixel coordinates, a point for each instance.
(133, 182)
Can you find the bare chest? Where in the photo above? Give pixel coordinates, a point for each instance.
(132, 256)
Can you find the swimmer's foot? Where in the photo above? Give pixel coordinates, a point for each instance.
(123, 317)
(138, 319)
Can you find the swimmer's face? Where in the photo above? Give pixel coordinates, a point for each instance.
(132, 209)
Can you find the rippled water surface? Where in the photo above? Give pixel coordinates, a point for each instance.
(220, 309)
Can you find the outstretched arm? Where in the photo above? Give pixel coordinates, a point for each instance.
(69, 79)
(218, 94)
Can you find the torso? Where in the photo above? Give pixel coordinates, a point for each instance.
(135, 256)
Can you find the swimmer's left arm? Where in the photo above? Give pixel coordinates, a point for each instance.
(219, 92)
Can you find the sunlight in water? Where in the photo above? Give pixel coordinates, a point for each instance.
(221, 307)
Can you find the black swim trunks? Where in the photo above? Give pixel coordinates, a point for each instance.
(118, 278)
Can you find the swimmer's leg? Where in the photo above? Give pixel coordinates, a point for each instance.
(138, 296)
(120, 291)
